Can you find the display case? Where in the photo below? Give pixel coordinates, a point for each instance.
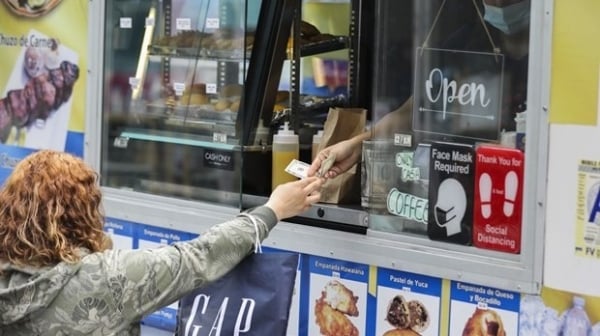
(189, 89)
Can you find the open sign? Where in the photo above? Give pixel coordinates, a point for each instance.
(458, 93)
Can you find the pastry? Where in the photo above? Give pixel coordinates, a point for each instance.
(278, 108)
(198, 88)
(418, 316)
(31, 8)
(331, 322)
(193, 99)
(401, 332)
(235, 106)
(222, 105)
(231, 90)
(484, 322)
(398, 313)
(340, 298)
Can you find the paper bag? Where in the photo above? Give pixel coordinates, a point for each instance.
(342, 124)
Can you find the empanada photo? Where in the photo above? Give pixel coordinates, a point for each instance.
(332, 322)
(484, 322)
(340, 298)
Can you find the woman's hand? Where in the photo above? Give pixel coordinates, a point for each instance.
(292, 198)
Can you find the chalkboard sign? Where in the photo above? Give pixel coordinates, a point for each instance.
(458, 93)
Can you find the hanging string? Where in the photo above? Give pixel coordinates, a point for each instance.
(435, 20)
(487, 31)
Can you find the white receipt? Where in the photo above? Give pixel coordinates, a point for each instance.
(298, 168)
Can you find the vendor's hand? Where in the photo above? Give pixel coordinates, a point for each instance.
(292, 198)
(346, 152)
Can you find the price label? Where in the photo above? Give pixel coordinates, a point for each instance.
(211, 88)
(220, 137)
(150, 21)
(134, 82)
(404, 140)
(125, 22)
(179, 88)
(212, 23)
(406, 289)
(183, 23)
(482, 305)
(121, 142)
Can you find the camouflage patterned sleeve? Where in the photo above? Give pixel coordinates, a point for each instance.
(141, 281)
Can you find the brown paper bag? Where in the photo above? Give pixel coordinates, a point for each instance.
(342, 124)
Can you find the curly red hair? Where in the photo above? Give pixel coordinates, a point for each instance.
(50, 207)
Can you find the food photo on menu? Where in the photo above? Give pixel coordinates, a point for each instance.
(35, 106)
(486, 322)
(31, 8)
(337, 311)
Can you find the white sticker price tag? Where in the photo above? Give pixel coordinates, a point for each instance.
(220, 137)
(403, 140)
(212, 23)
(150, 21)
(297, 168)
(125, 22)
(211, 88)
(134, 82)
(183, 23)
(179, 88)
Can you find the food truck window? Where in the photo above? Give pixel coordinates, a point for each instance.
(449, 106)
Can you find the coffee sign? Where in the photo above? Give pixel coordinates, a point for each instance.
(458, 93)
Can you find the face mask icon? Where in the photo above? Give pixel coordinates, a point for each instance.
(451, 205)
(442, 217)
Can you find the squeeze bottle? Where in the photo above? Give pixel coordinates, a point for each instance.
(286, 147)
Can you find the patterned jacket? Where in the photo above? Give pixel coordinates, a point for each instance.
(107, 293)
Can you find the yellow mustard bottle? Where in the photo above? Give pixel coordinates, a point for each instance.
(286, 147)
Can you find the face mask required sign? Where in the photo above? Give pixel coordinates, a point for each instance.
(451, 172)
(458, 93)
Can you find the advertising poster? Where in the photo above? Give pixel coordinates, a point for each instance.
(478, 310)
(587, 223)
(151, 237)
(121, 232)
(338, 298)
(43, 45)
(407, 302)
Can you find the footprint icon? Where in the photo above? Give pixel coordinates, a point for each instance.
(511, 185)
(485, 193)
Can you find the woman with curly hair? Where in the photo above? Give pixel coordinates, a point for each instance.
(57, 276)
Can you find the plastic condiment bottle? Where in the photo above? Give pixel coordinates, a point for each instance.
(286, 147)
(316, 141)
(575, 320)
